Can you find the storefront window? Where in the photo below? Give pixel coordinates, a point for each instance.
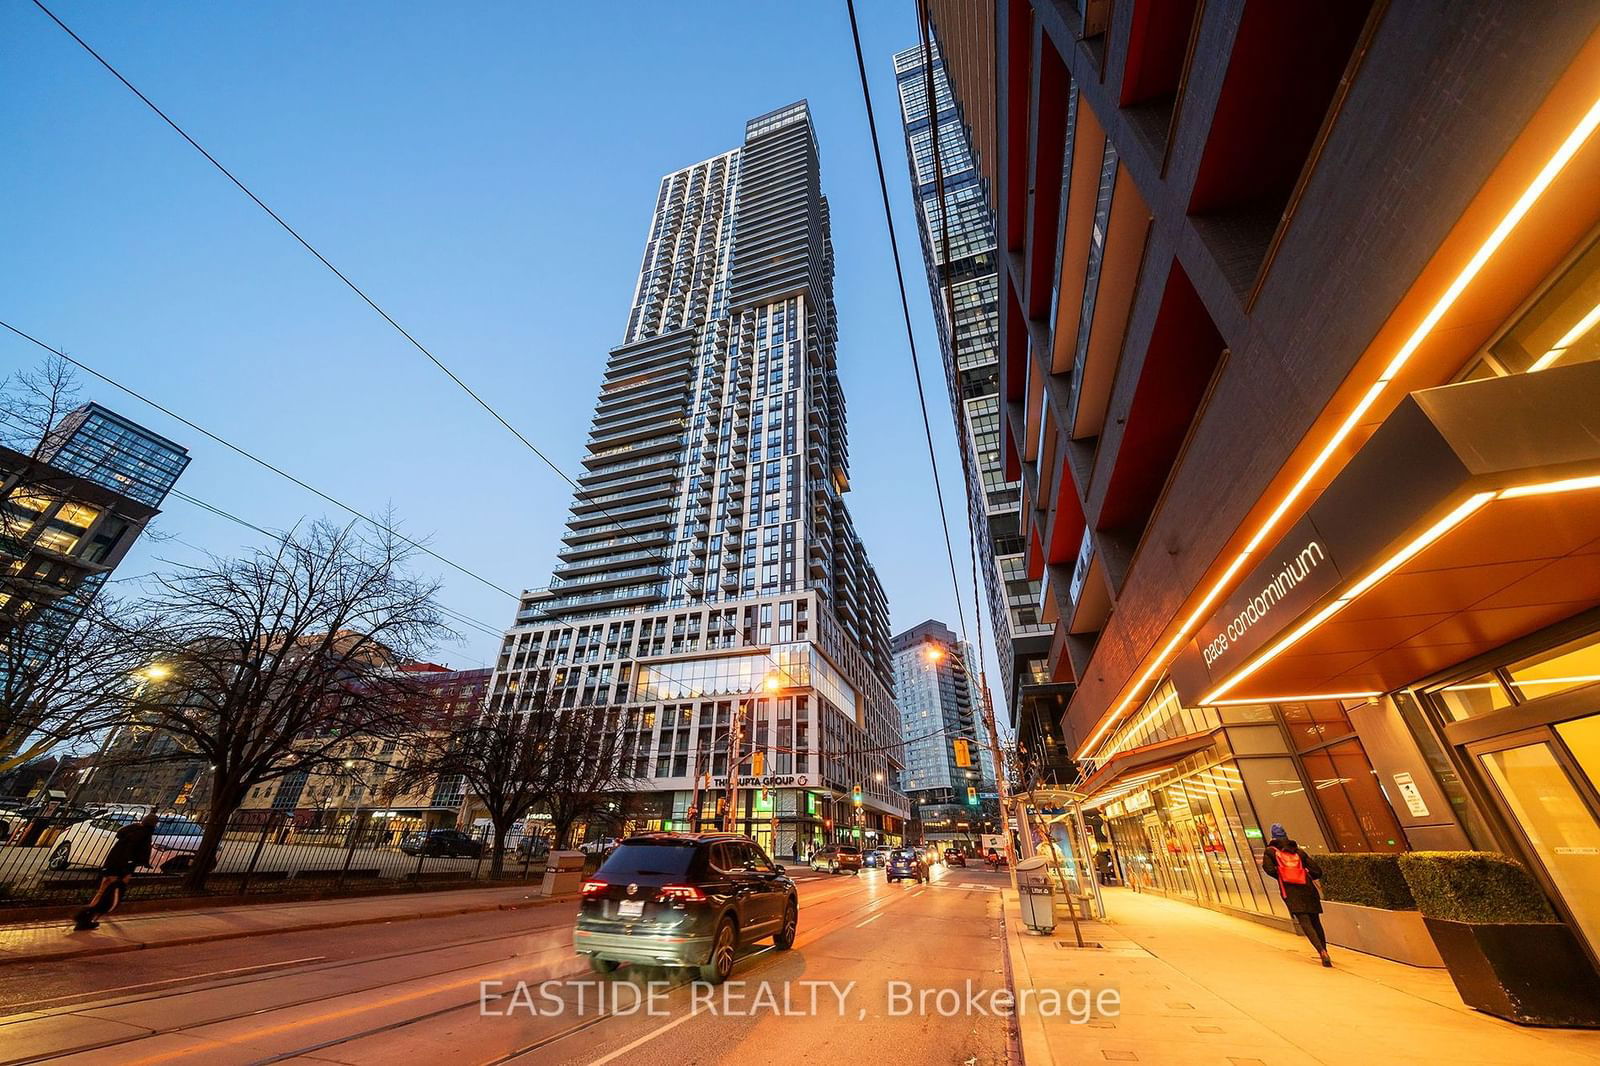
(1351, 799)
(1562, 828)
(1567, 667)
(1279, 797)
(1582, 738)
(1313, 724)
(1561, 327)
(1480, 695)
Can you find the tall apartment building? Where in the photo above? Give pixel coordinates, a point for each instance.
(710, 569)
(940, 704)
(1300, 365)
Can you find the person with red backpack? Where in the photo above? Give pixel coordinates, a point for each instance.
(1297, 874)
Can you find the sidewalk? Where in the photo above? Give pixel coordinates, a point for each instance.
(1202, 987)
(54, 939)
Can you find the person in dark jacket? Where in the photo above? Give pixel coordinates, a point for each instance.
(130, 851)
(1297, 874)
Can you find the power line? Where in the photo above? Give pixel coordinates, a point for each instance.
(438, 363)
(456, 379)
(905, 308)
(254, 458)
(351, 285)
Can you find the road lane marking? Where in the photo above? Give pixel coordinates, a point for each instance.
(874, 918)
(646, 1038)
(170, 980)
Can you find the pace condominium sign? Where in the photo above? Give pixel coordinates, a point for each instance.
(1291, 572)
(1291, 577)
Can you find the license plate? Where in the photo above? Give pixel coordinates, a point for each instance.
(630, 908)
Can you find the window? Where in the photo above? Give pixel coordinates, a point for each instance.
(1561, 328)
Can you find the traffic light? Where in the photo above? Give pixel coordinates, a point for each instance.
(972, 796)
(963, 751)
(758, 763)
(827, 823)
(855, 797)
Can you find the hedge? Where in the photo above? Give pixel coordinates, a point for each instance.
(1474, 886)
(1368, 880)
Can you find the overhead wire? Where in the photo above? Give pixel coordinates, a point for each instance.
(581, 493)
(905, 308)
(455, 378)
(256, 459)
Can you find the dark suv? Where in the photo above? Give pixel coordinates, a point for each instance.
(906, 864)
(682, 899)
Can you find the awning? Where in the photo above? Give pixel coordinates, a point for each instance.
(1142, 763)
(1469, 519)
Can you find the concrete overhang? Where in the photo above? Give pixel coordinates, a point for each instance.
(1469, 519)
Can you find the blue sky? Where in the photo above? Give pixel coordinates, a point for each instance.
(486, 172)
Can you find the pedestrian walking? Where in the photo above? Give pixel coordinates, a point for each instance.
(1297, 874)
(130, 851)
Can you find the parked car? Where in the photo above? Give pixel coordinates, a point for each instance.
(532, 849)
(680, 899)
(598, 847)
(87, 842)
(907, 864)
(837, 857)
(955, 857)
(443, 843)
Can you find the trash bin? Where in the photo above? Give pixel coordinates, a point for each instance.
(563, 873)
(1037, 894)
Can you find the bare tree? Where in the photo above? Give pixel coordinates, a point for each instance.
(279, 657)
(498, 758)
(63, 679)
(33, 402)
(583, 765)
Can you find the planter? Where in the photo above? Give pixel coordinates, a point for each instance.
(1397, 935)
(1529, 973)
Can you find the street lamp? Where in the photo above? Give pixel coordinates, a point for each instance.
(149, 673)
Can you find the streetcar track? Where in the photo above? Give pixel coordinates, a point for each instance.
(148, 1034)
(552, 1038)
(25, 1014)
(842, 891)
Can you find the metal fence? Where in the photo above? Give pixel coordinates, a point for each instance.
(45, 864)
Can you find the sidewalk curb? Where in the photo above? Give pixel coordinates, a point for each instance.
(244, 934)
(1035, 1048)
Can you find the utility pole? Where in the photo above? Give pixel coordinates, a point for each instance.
(730, 818)
(1001, 791)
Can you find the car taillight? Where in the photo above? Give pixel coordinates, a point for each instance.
(680, 894)
(593, 885)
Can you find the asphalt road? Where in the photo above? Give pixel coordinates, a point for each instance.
(879, 972)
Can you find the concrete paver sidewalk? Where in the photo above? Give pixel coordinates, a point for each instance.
(48, 940)
(1201, 987)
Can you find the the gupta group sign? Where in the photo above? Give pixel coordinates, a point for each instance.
(1292, 577)
(769, 781)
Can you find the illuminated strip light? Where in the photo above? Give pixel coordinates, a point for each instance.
(1571, 484)
(1573, 336)
(1541, 182)
(1462, 512)
(1297, 699)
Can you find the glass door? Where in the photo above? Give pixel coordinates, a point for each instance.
(1552, 802)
